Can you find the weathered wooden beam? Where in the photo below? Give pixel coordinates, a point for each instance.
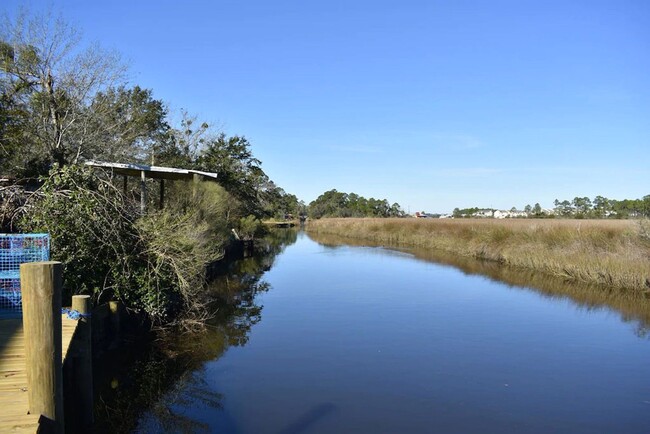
(41, 287)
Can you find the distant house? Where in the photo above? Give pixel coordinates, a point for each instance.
(424, 215)
(484, 213)
(501, 214)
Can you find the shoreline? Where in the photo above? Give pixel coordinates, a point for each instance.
(611, 253)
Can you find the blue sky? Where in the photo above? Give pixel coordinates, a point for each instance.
(431, 104)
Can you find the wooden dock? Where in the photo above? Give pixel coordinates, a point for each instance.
(14, 417)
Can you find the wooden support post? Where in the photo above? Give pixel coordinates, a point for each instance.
(195, 184)
(83, 364)
(41, 286)
(116, 323)
(143, 193)
(162, 193)
(124, 184)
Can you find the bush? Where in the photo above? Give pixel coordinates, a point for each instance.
(155, 263)
(250, 227)
(91, 227)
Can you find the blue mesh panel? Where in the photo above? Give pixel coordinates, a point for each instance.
(16, 249)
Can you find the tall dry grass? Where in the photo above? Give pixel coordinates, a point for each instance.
(615, 253)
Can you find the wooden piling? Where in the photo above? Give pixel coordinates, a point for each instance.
(143, 192)
(162, 194)
(195, 184)
(41, 287)
(83, 364)
(116, 323)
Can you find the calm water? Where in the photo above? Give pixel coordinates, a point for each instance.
(342, 339)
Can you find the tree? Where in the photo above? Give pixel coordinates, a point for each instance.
(537, 210)
(528, 209)
(126, 124)
(49, 81)
(337, 204)
(182, 146)
(239, 172)
(582, 206)
(563, 208)
(602, 206)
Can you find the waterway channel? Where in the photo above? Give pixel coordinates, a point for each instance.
(322, 337)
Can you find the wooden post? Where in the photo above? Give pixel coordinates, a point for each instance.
(124, 184)
(162, 193)
(116, 325)
(83, 363)
(143, 193)
(41, 286)
(195, 184)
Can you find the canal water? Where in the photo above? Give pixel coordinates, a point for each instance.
(330, 338)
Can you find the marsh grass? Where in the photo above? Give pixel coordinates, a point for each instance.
(614, 253)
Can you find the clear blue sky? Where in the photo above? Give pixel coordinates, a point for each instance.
(430, 104)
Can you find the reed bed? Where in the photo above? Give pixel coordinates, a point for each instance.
(615, 253)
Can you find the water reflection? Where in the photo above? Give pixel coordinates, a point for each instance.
(633, 306)
(165, 373)
(369, 340)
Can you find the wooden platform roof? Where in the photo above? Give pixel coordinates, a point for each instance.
(157, 172)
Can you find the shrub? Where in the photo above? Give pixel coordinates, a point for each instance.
(155, 263)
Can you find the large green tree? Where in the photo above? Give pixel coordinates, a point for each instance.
(125, 124)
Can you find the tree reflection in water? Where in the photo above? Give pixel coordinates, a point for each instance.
(165, 372)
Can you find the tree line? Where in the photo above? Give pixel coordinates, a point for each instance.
(602, 207)
(579, 207)
(334, 203)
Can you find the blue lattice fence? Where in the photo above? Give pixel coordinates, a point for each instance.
(16, 249)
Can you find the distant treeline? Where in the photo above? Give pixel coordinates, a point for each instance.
(337, 204)
(579, 207)
(601, 207)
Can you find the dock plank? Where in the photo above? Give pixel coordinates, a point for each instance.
(14, 417)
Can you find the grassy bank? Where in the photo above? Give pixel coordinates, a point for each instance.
(613, 253)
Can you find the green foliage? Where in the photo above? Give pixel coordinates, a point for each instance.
(602, 207)
(179, 243)
(250, 227)
(125, 124)
(278, 204)
(239, 171)
(61, 104)
(154, 263)
(337, 204)
(466, 212)
(90, 225)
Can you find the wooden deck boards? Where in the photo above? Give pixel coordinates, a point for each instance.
(13, 375)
